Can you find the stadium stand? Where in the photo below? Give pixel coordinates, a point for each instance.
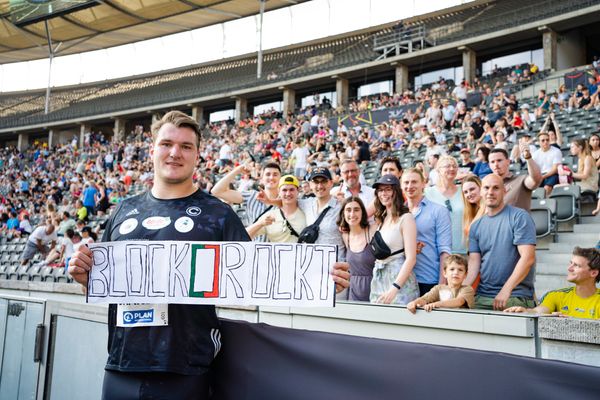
(562, 220)
(302, 61)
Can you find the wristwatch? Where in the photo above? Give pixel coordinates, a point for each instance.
(394, 284)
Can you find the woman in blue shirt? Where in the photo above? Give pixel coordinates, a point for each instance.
(482, 168)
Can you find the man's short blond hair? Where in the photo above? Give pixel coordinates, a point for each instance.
(179, 120)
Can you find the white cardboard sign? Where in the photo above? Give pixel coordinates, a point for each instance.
(225, 273)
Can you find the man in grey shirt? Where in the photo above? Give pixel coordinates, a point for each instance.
(502, 250)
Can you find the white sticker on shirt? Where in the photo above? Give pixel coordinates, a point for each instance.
(156, 222)
(138, 315)
(445, 294)
(128, 226)
(184, 224)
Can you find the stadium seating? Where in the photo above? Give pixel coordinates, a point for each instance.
(567, 202)
(543, 213)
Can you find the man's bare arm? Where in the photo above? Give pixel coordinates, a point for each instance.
(474, 265)
(222, 187)
(534, 175)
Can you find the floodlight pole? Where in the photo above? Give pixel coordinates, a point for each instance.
(260, 34)
(50, 57)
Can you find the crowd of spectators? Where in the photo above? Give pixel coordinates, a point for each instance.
(449, 149)
(65, 189)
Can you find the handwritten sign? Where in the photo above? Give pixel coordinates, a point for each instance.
(226, 273)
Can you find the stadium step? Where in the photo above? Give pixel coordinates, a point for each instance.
(548, 268)
(579, 239)
(553, 258)
(591, 220)
(587, 228)
(560, 248)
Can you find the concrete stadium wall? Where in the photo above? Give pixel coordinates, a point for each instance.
(53, 346)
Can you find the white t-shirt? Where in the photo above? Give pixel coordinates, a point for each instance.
(436, 149)
(300, 154)
(460, 92)
(225, 152)
(366, 194)
(314, 121)
(68, 245)
(40, 233)
(547, 159)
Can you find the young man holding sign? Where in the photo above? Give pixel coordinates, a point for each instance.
(168, 358)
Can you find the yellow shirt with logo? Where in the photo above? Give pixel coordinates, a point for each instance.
(568, 303)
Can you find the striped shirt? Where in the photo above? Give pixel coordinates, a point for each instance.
(254, 209)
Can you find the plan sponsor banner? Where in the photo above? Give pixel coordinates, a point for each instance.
(225, 273)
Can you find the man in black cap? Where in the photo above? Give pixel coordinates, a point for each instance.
(320, 184)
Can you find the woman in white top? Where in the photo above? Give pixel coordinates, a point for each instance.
(393, 278)
(448, 194)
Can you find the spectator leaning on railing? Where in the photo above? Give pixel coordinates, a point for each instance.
(579, 301)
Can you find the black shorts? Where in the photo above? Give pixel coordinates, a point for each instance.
(154, 385)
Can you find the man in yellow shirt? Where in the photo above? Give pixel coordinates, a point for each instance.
(580, 301)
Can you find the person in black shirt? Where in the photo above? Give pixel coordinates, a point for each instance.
(169, 361)
(477, 125)
(364, 154)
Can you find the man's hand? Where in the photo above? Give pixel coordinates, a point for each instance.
(525, 150)
(263, 198)
(515, 309)
(80, 265)
(340, 272)
(267, 220)
(412, 307)
(501, 299)
(244, 168)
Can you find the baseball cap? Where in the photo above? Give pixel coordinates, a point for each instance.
(465, 150)
(288, 180)
(387, 180)
(320, 172)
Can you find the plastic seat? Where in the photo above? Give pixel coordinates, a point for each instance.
(60, 275)
(567, 202)
(9, 272)
(35, 274)
(543, 213)
(21, 271)
(47, 274)
(34, 269)
(538, 193)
